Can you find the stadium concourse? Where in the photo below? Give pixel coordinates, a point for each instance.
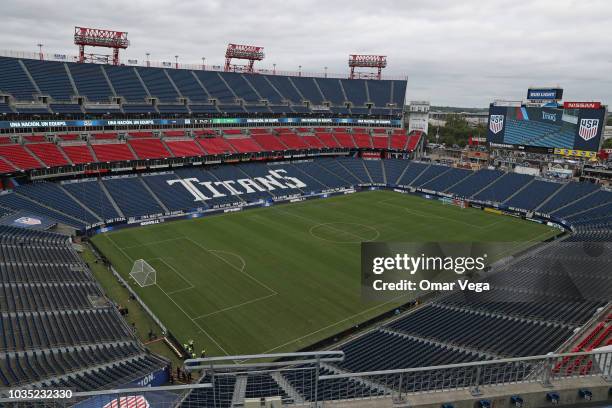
(58, 327)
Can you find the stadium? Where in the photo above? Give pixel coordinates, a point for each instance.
(178, 235)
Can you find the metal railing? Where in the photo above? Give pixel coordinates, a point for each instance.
(198, 67)
(317, 378)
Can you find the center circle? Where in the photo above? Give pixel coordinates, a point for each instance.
(344, 232)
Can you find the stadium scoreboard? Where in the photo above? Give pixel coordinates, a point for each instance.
(546, 127)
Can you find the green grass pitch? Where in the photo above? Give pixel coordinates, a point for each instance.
(281, 278)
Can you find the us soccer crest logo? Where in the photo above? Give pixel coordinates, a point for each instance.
(496, 123)
(588, 128)
(28, 221)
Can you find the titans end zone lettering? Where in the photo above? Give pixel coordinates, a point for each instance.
(275, 180)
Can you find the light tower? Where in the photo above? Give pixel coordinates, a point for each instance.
(367, 61)
(251, 53)
(95, 37)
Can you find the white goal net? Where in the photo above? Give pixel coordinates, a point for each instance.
(143, 273)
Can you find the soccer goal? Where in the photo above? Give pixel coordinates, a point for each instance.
(143, 273)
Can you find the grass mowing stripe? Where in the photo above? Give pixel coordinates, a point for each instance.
(263, 282)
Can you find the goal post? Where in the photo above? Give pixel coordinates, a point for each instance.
(143, 273)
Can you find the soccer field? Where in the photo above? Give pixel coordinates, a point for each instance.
(281, 278)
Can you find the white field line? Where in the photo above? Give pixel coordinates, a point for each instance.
(173, 301)
(153, 243)
(191, 285)
(193, 321)
(333, 324)
(248, 302)
(241, 270)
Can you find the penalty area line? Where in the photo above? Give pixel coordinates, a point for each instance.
(248, 302)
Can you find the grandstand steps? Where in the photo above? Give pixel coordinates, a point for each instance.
(111, 199)
(131, 149)
(360, 380)
(25, 69)
(502, 316)
(487, 186)
(64, 155)
(323, 97)
(155, 197)
(178, 91)
(8, 163)
(575, 201)
(518, 191)
(239, 390)
(55, 349)
(303, 172)
(384, 172)
(170, 152)
(91, 151)
(296, 88)
(228, 86)
(418, 175)
(367, 91)
(551, 197)
(108, 81)
(52, 209)
(346, 98)
(89, 370)
(75, 90)
(460, 181)
(246, 79)
(325, 169)
(201, 84)
(31, 153)
(353, 174)
(69, 194)
(287, 387)
(442, 344)
(280, 95)
(585, 209)
(367, 172)
(441, 175)
(142, 82)
(402, 173)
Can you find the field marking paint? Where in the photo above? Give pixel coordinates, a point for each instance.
(173, 301)
(112, 241)
(319, 223)
(193, 321)
(191, 285)
(242, 271)
(359, 238)
(243, 267)
(153, 242)
(332, 325)
(248, 302)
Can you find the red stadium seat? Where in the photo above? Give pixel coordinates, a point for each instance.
(215, 145)
(328, 139)
(137, 135)
(293, 141)
(104, 136)
(184, 148)
(345, 140)
(149, 148)
(19, 157)
(35, 138)
(174, 133)
(108, 152)
(269, 142)
(245, 145)
(6, 167)
(380, 142)
(398, 142)
(79, 154)
(313, 142)
(362, 140)
(49, 154)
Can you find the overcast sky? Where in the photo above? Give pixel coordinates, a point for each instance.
(455, 52)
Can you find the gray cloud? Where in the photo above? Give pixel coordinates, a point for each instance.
(462, 53)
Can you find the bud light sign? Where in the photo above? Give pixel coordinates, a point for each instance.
(544, 94)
